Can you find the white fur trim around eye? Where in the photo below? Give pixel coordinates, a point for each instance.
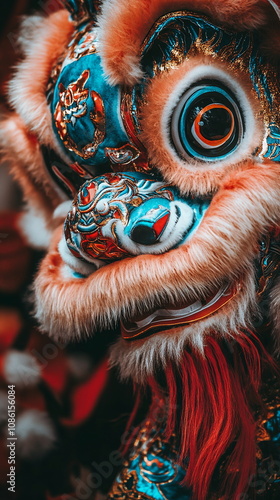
(251, 136)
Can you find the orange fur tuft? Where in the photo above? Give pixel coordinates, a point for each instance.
(27, 90)
(124, 25)
(21, 150)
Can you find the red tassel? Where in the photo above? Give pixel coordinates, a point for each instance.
(211, 399)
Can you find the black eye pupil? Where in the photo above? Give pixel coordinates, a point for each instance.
(207, 123)
(215, 124)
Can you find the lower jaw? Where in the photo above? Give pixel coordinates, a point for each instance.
(167, 319)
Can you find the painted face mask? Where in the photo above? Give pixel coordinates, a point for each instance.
(120, 215)
(160, 120)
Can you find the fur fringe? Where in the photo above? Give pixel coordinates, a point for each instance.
(27, 90)
(123, 27)
(21, 151)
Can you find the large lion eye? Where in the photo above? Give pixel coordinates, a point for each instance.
(207, 123)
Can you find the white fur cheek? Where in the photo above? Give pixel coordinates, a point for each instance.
(252, 137)
(32, 226)
(62, 210)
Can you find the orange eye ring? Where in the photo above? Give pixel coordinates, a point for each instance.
(196, 126)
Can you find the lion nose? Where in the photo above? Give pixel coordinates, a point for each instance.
(146, 232)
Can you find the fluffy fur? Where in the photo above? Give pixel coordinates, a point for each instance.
(162, 97)
(22, 132)
(21, 150)
(212, 255)
(27, 89)
(32, 226)
(62, 210)
(123, 27)
(21, 369)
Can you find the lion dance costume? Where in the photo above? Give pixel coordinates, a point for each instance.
(153, 129)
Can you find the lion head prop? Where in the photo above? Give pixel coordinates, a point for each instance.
(159, 120)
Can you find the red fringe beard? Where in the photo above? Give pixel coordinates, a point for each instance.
(214, 406)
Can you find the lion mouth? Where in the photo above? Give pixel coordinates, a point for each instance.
(189, 312)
